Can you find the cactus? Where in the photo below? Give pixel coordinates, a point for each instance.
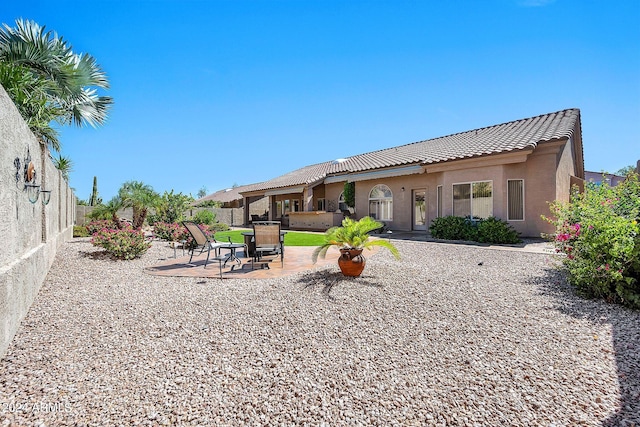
(94, 199)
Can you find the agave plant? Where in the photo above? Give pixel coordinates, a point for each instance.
(353, 235)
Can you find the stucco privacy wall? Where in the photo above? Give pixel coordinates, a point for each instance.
(30, 233)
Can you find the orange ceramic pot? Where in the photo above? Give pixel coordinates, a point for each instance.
(351, 262)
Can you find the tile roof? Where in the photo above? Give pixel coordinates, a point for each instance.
(225, 196)
(303, 176)
(512, 136)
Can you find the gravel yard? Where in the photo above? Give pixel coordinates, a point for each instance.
(433, 339)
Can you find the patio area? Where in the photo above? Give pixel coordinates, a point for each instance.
(297, 259)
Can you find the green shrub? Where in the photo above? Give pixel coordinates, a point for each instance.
(490, 230)
(448, 227)
(170, 208)
(219, 226)
(80, 231)
(125, 243)
(598, 234)
(494, 230)
(204, 216)
(453, 228)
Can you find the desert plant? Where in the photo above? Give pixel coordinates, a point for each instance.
(125, 243)
(140, 197)
(49, 82)
(94, 199)
(64, 165)
(108, 210)
(353, 235)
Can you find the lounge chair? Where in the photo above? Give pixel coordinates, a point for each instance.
(267, 241)
(205, 243)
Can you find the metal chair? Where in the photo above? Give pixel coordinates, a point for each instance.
(267, 240)
(205, 243)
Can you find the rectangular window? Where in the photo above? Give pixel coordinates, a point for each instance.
(287, 207)
(473, 199)
(321, 204)
(296, 205)
(439, 201)
(515, 199)
(381, 210)
(278, 209)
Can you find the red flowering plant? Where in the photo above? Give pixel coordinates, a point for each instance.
(122, 243)
(598, 235)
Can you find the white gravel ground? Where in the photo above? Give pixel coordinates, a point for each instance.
(433, 339)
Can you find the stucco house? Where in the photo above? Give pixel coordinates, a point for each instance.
(510, 171)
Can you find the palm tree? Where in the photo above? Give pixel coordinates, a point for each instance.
(48, 81)
(108, 211)
(140, 197)
(64, 165)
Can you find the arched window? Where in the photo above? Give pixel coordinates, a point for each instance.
(381, 203)
(341, 204)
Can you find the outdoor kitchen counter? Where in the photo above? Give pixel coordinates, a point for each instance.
(314, 220)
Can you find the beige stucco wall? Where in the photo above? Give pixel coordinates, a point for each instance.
(31, 233)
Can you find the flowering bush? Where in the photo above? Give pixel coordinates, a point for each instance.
(124, 243)
(97, 225)
(172, 232)
(599, 235)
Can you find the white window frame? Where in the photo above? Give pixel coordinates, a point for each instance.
(439, 203)
(471, 193)
(390, 199)
(523, 200)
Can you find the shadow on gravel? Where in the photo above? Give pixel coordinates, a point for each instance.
(625, 326)
(327, 280)
(99, 255)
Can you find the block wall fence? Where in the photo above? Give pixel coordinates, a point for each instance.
(30, 233)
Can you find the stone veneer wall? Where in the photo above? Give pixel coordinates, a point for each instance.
(30, 233)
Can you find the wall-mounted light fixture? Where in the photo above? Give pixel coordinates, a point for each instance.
(46, 196)
(28, 175)
(33, 191)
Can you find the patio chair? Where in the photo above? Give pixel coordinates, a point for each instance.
(205, 243)
(267, 241)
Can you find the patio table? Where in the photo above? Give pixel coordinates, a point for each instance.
(232, 252)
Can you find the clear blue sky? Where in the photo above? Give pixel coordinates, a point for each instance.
(215, 93)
